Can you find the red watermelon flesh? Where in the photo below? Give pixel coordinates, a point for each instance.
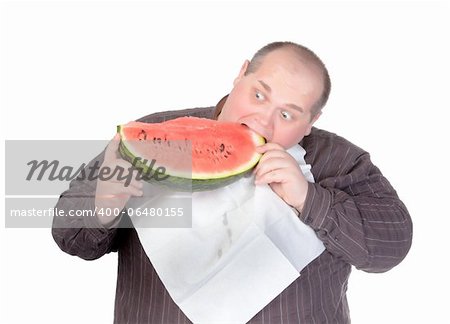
(193, 148)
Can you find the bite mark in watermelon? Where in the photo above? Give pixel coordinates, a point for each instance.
(196, 153)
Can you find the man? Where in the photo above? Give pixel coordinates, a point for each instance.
(351, 206)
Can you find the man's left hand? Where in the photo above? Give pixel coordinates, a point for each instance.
(282, 173)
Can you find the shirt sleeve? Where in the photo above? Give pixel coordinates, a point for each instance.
(82, 235)
(354, 209)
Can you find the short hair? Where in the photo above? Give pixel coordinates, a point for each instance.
(303, 53)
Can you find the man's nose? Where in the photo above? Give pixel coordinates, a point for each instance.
(265, 118)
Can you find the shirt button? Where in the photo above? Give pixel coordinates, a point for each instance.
(308, 220)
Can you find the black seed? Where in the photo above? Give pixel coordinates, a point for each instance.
(142, 135)
(221, 147)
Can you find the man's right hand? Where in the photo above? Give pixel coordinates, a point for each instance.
(114, 193)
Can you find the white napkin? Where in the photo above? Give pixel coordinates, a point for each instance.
(246, 245)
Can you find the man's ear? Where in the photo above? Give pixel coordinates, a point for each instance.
(310, 125)
(241, 72)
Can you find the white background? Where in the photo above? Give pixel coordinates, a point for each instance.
(74, 70)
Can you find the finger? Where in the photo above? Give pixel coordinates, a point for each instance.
(276, 154)
(273, 164)
(130, 180)
(273, 154)
(135, 180)
(117, 171)
(275, 151)
(111, 196)
(263, 173)
(112, 148)
(269, 146)
(133, 191)
(273, 176)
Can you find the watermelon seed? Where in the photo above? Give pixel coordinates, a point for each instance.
(142, 135)
(222, 147)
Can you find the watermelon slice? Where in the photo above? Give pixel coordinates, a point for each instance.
(195, 153)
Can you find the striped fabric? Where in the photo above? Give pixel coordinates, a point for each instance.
(352, 207)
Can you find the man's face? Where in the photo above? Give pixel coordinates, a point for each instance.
(276, 99)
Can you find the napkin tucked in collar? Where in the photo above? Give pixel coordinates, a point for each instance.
(246, 245)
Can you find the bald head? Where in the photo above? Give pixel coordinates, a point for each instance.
(305, 56)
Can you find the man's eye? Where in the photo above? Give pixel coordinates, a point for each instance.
(285, 115)
(259, 96)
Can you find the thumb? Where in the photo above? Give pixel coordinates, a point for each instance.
(112, 148)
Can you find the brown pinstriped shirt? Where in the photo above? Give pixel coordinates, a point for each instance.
(352, 207)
